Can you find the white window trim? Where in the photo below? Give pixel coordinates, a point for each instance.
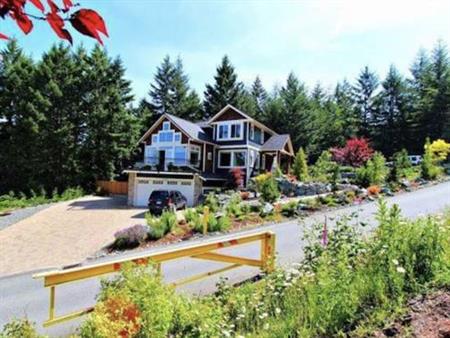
(232, 152)
(166, 123)
(252, 132)
(177, 134)
(229, 124)
(154, 138)
(196, 149)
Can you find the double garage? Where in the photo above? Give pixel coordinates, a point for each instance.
(141, 185)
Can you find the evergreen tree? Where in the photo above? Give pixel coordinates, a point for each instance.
(19, 121)
(259, 96)
(364, 93)
(170, 92)
(392, 116)
(225, 90)
(438, 119)
(344, 100)
(421, 98)
(111, 127)
(300, 166)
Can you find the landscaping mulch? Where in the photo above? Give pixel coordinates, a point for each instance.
(428, 317)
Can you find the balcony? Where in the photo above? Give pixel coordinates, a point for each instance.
(169, 164)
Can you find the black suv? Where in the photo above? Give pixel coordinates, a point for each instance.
(161, 200)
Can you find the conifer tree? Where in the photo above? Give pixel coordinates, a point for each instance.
(170, 92)
(300, 166)
(225, 90)
(364, 93)
(344, 100)
(259, 96)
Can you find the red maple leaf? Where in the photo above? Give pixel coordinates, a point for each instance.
(90, 23)
(57, 25)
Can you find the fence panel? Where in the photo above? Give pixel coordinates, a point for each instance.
(114, 187)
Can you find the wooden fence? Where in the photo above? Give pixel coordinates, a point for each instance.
(114, 187)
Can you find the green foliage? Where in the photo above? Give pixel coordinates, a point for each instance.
(19, 329)
(212, 202)
(160, 226)
(267, 186)
(325, 169)
(401, 166)
(223, 223)
(13, 201)
(300, 166)
(233, 207)
(430, 170)
(289, 209)
(345, 281)
(374, 172)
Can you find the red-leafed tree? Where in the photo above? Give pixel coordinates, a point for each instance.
(86, 21)
(355, 153)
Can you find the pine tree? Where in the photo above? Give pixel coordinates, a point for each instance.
(225, 90)
(364, 93)
(170, 92)
(392, 116)
(300, 166)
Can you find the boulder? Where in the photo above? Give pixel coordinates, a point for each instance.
(267, 208)
(285, 186)
(405, 183)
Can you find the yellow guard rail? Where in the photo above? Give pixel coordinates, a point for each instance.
(199, 251)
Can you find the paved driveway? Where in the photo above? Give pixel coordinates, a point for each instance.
(63, 234)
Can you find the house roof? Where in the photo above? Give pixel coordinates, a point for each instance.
(277, 143)
(193, 130)
(244, 115)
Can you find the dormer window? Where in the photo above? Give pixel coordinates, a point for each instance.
(166, 125)
(227, 131)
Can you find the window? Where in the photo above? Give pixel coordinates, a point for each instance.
(166, 125)
(223, 131)
(209, 156)
(166, 136)
(155, 138)
(239, 159)
(185, 183)
(172, 182)
(224, 159)
(180, 155)
(229, 159)
(252, 132)
(151, 156)
(229, 131)
(235, 131)
(195, 156)
(177, 137)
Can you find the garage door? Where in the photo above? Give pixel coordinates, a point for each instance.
(145, 187)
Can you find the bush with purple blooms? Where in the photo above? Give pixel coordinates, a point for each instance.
(131, 237)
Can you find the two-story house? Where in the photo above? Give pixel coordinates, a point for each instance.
(193, 158)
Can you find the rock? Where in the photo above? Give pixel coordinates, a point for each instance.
(405, 183)
(267, 208)
(286, 187)
(386, 191)
(361, 192)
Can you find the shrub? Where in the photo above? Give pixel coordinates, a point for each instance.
(245, 195)
(190, 215)
(430, 170)
(325, 169)
(130, 237)
(355, 153)
(233, 207)
(374, 172)
(289, 209)
(158, 227)
(401, 166)
(212, 202)
(212, 223)
(300, 166)
(71, 193)
(267, 187)
(237, 176)
(440, 150)
(18, 329)
(373, 190)
(223, 223)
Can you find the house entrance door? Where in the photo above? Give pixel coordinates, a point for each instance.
(162, 160)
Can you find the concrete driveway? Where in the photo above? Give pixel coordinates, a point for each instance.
(65, 233)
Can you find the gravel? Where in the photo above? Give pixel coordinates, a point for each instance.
(20, 214)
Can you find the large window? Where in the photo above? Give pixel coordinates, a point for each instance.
(229, 131)
(180, 155)
(230, 159)
(151, 156)
(166, 136)
(195, 156)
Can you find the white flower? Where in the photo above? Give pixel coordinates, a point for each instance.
(277, 310)
(400, 269)
(395, 261)
(266, 326)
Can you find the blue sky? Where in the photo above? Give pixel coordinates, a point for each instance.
(320, 40)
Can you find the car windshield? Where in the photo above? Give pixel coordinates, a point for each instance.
(159, 194)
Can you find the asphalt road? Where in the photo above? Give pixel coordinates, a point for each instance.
(21, 296)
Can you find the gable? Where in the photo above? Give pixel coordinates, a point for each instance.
(158, 126)
(229, 113)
